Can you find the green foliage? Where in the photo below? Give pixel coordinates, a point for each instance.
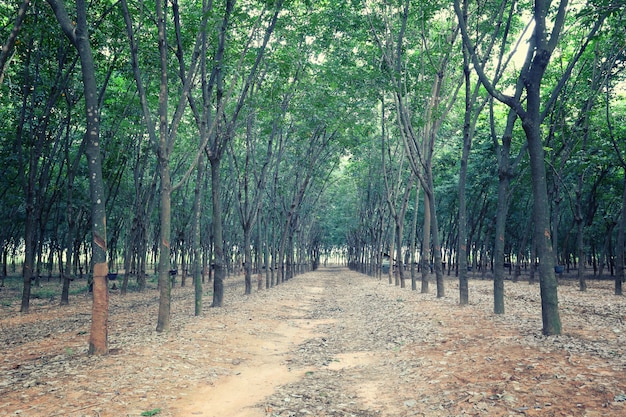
(152, 412)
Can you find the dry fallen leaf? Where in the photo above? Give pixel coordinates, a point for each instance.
(372, 349)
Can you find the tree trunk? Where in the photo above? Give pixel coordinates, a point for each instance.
(218, 244)
(619, 275)
(392, 249)
(247, 259)
(165, 221)
(196, 241)
(580, 252)
(556, 198)
(435, 237)
(399, 277)
(98, 339)
(266, 252)
(27, 172)
(29, 254)
(413, 246)
(504, 178)
(69, 244)
(401, 216)
(547, 279)
(165, 209)
(467, 144)
(426, 243)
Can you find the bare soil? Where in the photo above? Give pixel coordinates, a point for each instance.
(326, 343)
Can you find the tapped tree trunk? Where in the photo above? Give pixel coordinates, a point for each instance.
(98, 338)
(79, 36)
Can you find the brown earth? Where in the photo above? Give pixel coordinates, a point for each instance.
(326, 343)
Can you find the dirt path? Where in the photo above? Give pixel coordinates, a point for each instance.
(327, 343)
(261, 364)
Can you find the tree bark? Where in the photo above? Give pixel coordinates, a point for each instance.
(218, 239)
(504, 180)
(426, 243)
(619, 275)
(66, 273)
(165, 281)
(441, 292)
(413, 246)
(197, 243)
(542, 238)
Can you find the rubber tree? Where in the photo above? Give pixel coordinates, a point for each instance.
(163, 132)
(307, 163)
(252, 167)
(398, 187)
(72, 162)
(219, 128)
(438, 94)
(531, 109)
(35, 126)
(475, 101)
(78, 34)
(503, 17)
(583, 98)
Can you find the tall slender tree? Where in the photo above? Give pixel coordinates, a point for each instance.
(78, 34)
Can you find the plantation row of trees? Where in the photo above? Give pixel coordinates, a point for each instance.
(204, 137)
(508, 118)
(517, 112)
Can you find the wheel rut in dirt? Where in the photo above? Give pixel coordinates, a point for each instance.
(262, 363)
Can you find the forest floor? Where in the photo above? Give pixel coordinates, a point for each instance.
(326, 343)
